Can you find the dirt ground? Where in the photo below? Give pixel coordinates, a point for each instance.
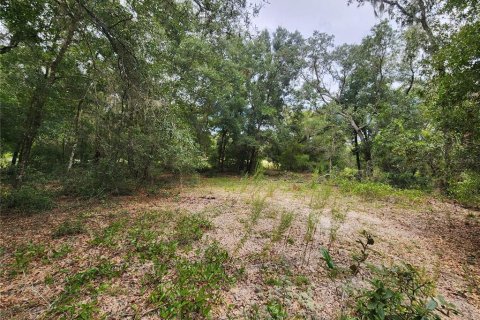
(276, 265)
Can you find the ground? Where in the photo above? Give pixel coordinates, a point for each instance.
(229, 248)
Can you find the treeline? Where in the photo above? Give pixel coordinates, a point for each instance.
(101, 92)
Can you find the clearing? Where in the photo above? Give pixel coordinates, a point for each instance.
(229, 247)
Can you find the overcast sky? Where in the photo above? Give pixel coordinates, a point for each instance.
(349, 24)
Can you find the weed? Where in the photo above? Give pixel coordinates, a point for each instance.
(190, 228)
(49, 280)
(301, 280)
(258, 205)
(61, 252)
(362, 256)
(328, 259)
(65, 303)
(320, 198)
(401, 292)
(338, 217)
(193, 288)
(69, 228)
(276, 310)
(107, 236)
(285, 223)
(25, 254)
(160, 251)
(374, 190)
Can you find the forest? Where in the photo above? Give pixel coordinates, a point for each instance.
(168, 160)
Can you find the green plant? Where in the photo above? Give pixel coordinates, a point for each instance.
(194, 287)
(107, 235)
(190, 228)
(276, 310)
(66, 303)
(61, 252)
(362, 256)
(69, 228)
(379, 191)
(258, 205)
(328, 259)
(320, 197)
(401, 292)
(301, 280)
(25, 254)
(285, 222)
(467, 189)
(26, 199)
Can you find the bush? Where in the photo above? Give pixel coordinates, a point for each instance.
(467, 190)
(401, 292)
(98, 182)
(27, 199)
(375, 190)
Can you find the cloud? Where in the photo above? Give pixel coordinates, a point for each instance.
(349, 24)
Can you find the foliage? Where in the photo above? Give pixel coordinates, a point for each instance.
(193, 288)
(285, 222)
(467, 189)
(69, 228)
(401, 292)
(27, 199)
(25, 254)
(190, 228)
(375, 190)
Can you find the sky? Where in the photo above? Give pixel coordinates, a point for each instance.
(349, 24)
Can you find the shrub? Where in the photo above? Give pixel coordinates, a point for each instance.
(467, 190)
(401, 292)
(27, 199)
(97, 182)
(375, 190)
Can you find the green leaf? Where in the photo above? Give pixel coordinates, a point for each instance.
(432, 304)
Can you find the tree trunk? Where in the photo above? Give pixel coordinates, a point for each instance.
(75, 134)
(15, 155)
(221, 156)
(367, 152)
(252, 160)
(37, 104)
(357, 156)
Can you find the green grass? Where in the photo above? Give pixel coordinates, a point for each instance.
(25, 254)
(380, 191)
(191, 228)
(70, 305)
(286, 220)
(194, 286)
(69, 228)
(108, 235)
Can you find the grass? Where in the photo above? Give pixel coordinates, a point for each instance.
(379, 191)
(190, 228)
(69, 303)
(24, 255)
(194, 286)
(69, 228)
(107, 236)
(286, 220)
